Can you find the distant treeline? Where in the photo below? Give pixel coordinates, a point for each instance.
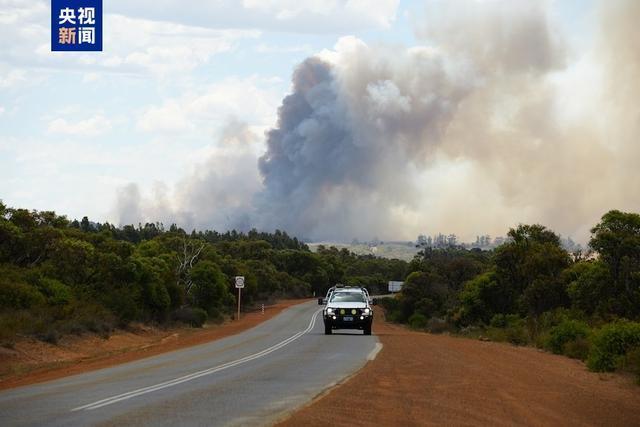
(530, 290)
(59, 276)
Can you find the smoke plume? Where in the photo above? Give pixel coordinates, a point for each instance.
(490, 122)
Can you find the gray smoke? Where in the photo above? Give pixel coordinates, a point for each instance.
(356, 134)
(342, 154)
(216, 193)
(472, 132)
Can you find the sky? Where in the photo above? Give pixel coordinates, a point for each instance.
(333, 119)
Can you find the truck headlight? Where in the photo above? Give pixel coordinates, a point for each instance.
(367, 311)
(329, 311)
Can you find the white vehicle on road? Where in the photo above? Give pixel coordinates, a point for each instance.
(348, 308)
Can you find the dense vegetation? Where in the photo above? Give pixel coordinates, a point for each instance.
(59, 276)
(532, 291)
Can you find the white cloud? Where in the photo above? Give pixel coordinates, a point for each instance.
(167, 117)
(209, 106)
(302, 16)
(15, 11)
(267, 48)
(93, 126)
(90, 77)
(164, 47)
(131, 45)
(12, 79)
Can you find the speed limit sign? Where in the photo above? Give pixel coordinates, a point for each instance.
(239, 282)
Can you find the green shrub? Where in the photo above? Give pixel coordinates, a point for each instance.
(611, 343)
(508, 328)
(517, 334)
(498, 321)
(51, 336)
(13, 322)
(438, 326)
(83, 316)
(98, 326)
(57, 293)
(567, 331)
(389, 303)
(631, 362)
(418, 321)
(392, 316)
(19, 295)
(577, 349)
(549, 319)
(193, 316)
(391, 306)
(215, 315)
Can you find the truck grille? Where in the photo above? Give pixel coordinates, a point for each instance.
(349, 311)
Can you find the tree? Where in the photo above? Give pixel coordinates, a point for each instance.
(11, 241)
(534, 256)
(187, 257)
(482, 298)
(423, 293)
(155, 297)
(85, 225)
(210, 287)
(590, 287)
(72, 260)
(22, 218)
(616, 238)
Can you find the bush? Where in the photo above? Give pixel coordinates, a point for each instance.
(566, 332)
(631, 362)
(214, 315)
(13, 322)
(389, 303)
(418, 321)
(57, 293)
(438, 326)
(51, 336)
(577, 349)
(193, 316)
(499, 321)
(19, 295)
(84, 316)
(510, 328)
(391, 308)
(611, 343)
(517, 334)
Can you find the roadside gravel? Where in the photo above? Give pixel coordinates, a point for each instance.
(425, 379)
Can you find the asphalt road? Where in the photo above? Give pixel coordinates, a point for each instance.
(253, 378)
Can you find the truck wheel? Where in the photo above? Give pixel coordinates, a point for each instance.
(327, 330)
(367, 330)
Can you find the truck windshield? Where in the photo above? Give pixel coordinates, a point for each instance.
(347, 297)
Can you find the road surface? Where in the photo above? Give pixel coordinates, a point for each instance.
(252, 378)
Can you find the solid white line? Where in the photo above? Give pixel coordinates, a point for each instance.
(375, 351)
(193, 376)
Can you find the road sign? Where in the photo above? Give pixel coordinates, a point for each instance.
(239, 286)
(395, 286)
(239, 282)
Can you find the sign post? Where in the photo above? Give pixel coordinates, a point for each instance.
(239, 286)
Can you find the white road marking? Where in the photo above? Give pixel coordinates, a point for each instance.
(193, 376)
(375, 351)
